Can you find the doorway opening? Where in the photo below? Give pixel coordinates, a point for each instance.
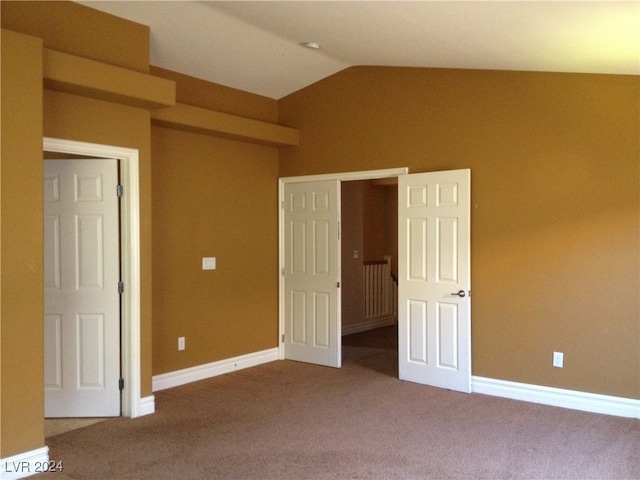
(434, 321)
(306, 245)
(369, 237)
(132, 405)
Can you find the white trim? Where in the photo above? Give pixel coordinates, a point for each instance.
(130, 337)
(341, 177)
(147, 406)
(24, 464)
(348, 176)
(558, 397)
(209, 370)
(384, 321)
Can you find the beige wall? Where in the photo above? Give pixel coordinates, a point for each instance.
(213, 197)
(381, 222)
(555, 215)
(73, 28)
(554, 161)
(21, 246)
(197, 92)
(224, 190)
(218, 198)
(28, 114)
(351, 238)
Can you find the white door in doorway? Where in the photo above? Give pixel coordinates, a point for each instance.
(82, 304)
(312, 272)
(434, 322)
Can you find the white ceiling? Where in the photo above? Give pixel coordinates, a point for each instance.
(256, 46)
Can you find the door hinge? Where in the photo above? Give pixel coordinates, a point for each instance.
(338, 230)
(283, 338)
(120, 288)
(121, 384)
(120, 190)
(283, 271)
(283, 204)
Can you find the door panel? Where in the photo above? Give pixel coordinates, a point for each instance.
(81, 275)
(52, 352)
(311, 273)
(434, 324)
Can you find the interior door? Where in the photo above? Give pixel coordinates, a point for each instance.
(434, 320)
(82, 304)
(312, 272)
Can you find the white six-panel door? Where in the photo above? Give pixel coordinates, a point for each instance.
(312, 272)
(434, 323)
(82, 306)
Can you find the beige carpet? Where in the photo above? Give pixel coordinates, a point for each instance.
(289, 420)
(57, 426)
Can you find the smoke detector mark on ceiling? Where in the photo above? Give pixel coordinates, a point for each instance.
(311, 45)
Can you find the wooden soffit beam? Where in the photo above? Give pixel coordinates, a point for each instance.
(210, 122)
(72, 74)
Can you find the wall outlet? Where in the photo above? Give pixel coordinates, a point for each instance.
(558, 359)
(181, 344)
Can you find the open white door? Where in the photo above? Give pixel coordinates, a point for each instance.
(434, 318)
(82, 304)
(312, 272)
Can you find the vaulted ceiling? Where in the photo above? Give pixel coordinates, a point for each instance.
(258, 46)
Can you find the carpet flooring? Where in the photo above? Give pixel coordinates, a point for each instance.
(56, 426)
(290, 420)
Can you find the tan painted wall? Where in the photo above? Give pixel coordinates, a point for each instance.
(381, 222)
(555, 202)
(351, 238)
(28, 114)
(73, 28)
(197, 92)
(213, 197)
(554, 231)
(233, 312)
(21, 246)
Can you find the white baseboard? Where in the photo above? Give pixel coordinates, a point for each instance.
(200, 372)
(368, 325)
(147, 406)
(26, 464)
(558, 397)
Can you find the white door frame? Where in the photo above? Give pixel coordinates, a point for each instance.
(342, 177)
(130, 260)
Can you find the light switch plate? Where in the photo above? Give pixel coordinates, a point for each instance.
(208, 263)
(558, 359)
